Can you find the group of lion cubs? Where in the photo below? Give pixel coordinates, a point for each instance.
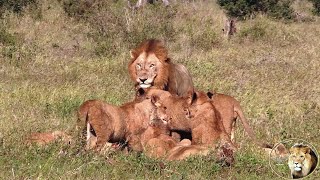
(168, 118)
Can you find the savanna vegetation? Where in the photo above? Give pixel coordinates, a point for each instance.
(56, 54)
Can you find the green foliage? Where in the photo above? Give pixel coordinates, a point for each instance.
(255, 32)
(274, 75)
(77, 8)
(63, 108)
(6, 38)
(12, 49)
(112, 23)
(204, 40)
(279, 9)
(16, 5)
(316, 6)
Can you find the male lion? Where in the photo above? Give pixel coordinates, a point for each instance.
(107, 123)
(302, 160)
(151, 66)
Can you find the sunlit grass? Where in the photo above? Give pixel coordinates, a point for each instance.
(51, 65)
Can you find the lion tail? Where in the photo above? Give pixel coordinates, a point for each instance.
(248, 129)
(83, 117)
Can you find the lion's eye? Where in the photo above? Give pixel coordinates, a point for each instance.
(152, 65)
(138, 66)
(165, 108)
(301, 156)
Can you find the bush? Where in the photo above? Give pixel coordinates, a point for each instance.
(16, 5)
(316, 6)
(116, 28)
(279, 9)
(7, 38)
(256, 32)
(205, 39)
(77, 8)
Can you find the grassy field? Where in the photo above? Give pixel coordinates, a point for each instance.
(52, 61)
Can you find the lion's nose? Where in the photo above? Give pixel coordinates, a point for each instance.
(164, 118)
(142, 80)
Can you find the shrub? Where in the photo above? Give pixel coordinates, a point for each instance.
(279, 9)
(77, 8)
(16, 5)
(256, 32)
(316, 6)
(205, 39)
(7, 38)
(116, 28)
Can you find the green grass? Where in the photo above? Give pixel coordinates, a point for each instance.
(51, 64)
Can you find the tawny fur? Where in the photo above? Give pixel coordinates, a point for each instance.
(205, 126)
(230, 110)
(114, 124)
(156, 140)
(165, 75)
(301, 157)
(184, 150)
(48, 137)
(279, 153)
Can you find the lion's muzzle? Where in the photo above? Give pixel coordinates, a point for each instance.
(297, 166)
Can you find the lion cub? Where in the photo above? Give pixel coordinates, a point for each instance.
(48, 137)
(106, 124)
(158, 143)
(156, 139)
(230, 109)
(206, 125)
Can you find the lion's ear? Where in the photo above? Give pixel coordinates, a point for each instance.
(291, 150)
(132, 53)
(210, 94)
(155, 100)
(307, 150)
(192, 96)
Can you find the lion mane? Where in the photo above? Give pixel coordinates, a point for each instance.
(151, 66)
(302, 160)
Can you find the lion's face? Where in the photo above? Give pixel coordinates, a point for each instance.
(173, 106)
(298, 158)
(146, 68)
(199, 104)
(158, 115)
